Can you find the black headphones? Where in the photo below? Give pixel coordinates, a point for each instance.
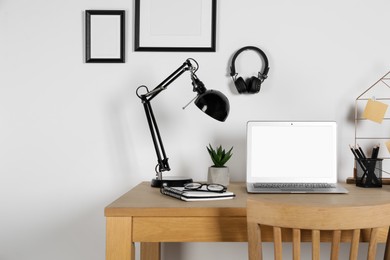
(253, 84)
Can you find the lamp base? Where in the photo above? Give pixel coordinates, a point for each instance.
(171, 181)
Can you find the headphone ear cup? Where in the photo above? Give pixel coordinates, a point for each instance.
(254, 85)
(248, 83)
(240, 85)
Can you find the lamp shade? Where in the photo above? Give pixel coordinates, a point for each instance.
(214, 104)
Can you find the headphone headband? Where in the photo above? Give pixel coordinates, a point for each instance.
(262, 75)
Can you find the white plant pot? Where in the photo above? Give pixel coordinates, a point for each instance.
(218, 175)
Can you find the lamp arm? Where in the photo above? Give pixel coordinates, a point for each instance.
(166, 82)
(162, 159)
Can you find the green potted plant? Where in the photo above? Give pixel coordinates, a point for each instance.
(219, 173)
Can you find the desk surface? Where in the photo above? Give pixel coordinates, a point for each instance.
(144, 200)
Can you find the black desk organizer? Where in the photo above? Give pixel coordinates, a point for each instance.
(369, 172)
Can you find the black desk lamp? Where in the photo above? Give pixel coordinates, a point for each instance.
(212, 102)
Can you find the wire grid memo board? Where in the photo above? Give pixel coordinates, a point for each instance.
(369, 133)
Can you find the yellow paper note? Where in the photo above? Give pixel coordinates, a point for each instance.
(375, 111)
(388, 145)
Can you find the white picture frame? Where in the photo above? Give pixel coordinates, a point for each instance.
(175, 25)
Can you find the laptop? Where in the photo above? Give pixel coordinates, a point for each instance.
(292, 157)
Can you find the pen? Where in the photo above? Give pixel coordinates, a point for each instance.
(361, 151)
(374, 156)
(375, 152)
(357, 151)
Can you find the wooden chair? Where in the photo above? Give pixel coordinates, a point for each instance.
(307, 222)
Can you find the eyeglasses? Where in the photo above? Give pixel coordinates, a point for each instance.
(213, 187)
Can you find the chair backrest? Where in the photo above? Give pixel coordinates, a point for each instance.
(315, 220)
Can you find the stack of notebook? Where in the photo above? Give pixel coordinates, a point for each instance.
(195, 195)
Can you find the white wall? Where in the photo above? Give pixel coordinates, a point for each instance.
(73, 136)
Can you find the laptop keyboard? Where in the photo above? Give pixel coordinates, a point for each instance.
(294, 186)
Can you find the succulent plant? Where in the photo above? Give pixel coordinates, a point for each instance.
(219, 156)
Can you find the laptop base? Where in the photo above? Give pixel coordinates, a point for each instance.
(303, 188)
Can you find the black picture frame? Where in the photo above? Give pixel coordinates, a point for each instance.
(111, 22)
(143, 22)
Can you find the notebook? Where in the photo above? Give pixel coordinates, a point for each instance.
(200, 195)
(292, 157)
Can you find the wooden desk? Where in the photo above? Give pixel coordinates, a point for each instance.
(144, 215)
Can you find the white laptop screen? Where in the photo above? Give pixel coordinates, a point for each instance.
(291, 152)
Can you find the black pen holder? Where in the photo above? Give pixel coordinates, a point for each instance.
(369, 173)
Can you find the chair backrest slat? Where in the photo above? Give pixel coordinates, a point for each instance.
(315, 238)
(387, 249)
(334, 253)
(254, 234)
(296, 244)
(372, 244)
(353, 253)
(278, 243)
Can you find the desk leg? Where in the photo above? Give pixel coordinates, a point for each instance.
(118, 239)
(150, 251)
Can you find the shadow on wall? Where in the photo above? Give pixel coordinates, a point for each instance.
(122, 129)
